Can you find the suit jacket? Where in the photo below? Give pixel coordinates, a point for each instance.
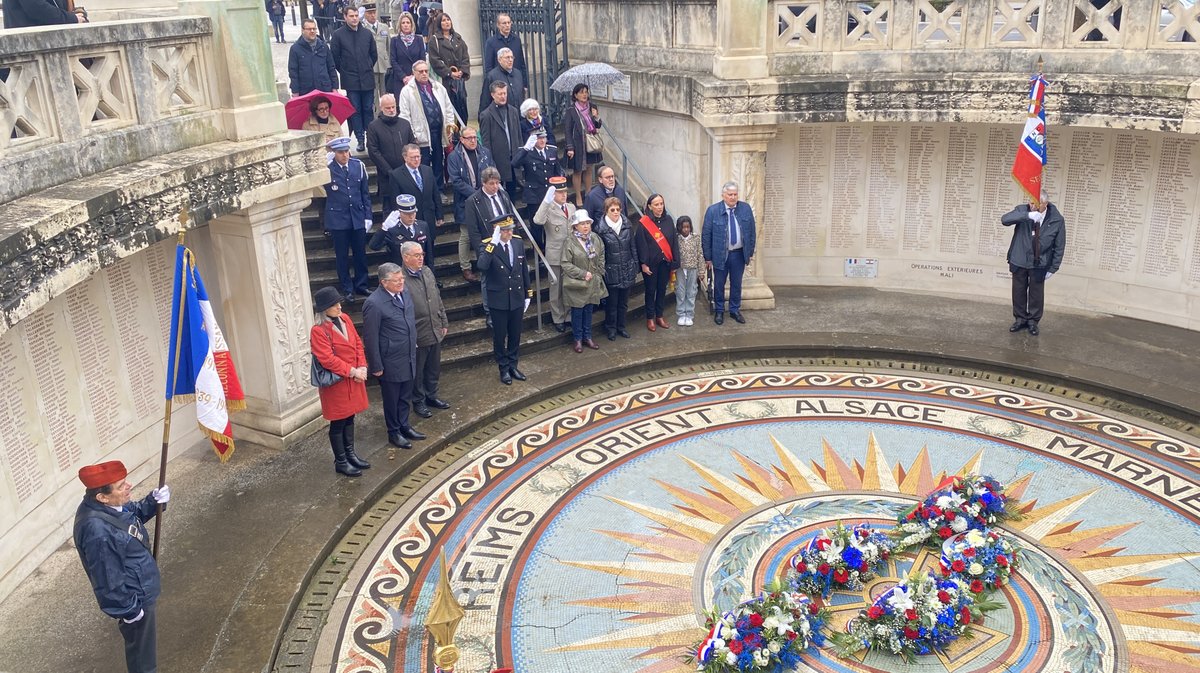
(393, 238)
(429, 206)
(479, 213)
(515, 80)
(594, 200)
(390, 336)
(1052, 239)
(536, 172)
(714, 238)
(503, 146)
(507, 284)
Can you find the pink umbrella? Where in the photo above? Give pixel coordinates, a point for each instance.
(298, 112)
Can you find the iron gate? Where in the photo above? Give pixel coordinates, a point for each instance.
(542, 27)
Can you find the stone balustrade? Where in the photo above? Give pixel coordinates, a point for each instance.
(77, 101)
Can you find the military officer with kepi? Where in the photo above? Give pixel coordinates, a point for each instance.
(502, 263)
(114, 546)
(348, 216)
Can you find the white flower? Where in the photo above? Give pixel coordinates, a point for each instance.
(943, 501)
(975, 568)
(718, 644)
(773, 646)
(731, 658)
(958, 525)
(975, 538)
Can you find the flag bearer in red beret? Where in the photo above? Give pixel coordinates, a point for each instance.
(111, 537)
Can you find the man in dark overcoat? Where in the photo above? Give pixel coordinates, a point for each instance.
(417, 179)
(500, 129)
(390, 340)
(387, 135)
(354, 54)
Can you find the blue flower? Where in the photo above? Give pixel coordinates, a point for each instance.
(853, 557)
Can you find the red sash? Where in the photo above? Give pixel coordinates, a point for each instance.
(657, 235)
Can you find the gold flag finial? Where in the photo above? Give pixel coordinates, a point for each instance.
(442, 623)
(185, 216)
(1040, 63)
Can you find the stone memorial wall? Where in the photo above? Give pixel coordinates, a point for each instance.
(83, 381)
(925, 201)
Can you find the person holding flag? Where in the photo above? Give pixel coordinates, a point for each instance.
(1039, 230)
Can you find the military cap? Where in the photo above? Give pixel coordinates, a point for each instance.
(558, 182)
(504, 222)
(407, 203)
(103, 474)
(341, 144)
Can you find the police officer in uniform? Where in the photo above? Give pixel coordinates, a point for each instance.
(402, 225)
(111, 538)
(348, 216)
(502, 263)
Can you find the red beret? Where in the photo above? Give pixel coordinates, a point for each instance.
(96, 476)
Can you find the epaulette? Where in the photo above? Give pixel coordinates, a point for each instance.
(488, 249)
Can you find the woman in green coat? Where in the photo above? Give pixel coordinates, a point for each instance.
(583, 278)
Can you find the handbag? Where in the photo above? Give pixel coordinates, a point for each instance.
(318, 375)
(574, 283)
(593, 143)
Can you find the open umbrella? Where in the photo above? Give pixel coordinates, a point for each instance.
(592, 74)
(297, 108)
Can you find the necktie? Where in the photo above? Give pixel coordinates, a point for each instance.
(565, 213)
(733, 230)
(398, 300)
(497, 209)
(542, 154)
(417, 178)
(507, 253)
(1037, 244)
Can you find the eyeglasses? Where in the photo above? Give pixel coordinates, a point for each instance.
(470, 137)
(322, 108)
(421, 71)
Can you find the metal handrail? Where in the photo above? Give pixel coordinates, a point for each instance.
(627, 164)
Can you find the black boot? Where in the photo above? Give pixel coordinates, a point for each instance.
(351, 456)
(340, 464)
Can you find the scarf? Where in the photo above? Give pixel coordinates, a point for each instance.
(408, 38)
(586, 242)
(585, 113)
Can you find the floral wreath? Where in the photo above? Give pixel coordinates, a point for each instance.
(983, 561)
(839, 559)
(768, 632)
(959, 504)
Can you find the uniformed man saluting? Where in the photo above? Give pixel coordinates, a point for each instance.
(502, 263)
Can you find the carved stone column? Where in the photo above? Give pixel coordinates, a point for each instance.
(740, 154)
(260, 259)
(741, 39)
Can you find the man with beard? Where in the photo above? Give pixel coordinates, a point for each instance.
(386, 137)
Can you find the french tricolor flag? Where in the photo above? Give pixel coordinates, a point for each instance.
(200, 368)
(1031, 152)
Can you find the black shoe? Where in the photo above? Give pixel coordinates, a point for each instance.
(422, 411)
(612, 336)
(412, 434)
(361, 148)
(719, 318)
(1033, 328)
(437, 403)
(488, 320)
(354, 459)
(1017, 326)
(344, 467)
(363, 293)
(738, 317)
(505, 378)
(399, 441)
(516, 374)
(624, 334)
(560, 327)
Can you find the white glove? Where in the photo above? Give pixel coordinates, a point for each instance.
(526, 306)
(140, 614)
(550, 195)
(1048, 274)
(496, 234)
(162, 494)
(392, 220)
(370, 223)
(1037, 216)
(532, 142)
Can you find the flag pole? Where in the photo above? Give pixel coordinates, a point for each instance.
(166, 438)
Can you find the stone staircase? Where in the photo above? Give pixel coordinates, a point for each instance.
(469, 342)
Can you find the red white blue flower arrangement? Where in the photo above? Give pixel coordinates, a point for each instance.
(839, 559)
(982, 561)
(959, 504)
(767, 633)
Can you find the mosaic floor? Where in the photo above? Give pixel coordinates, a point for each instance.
(590, 539)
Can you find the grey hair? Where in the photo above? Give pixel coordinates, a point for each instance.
(731, 185)
(408, 148)
(488, 174)
(1043, 196)
(408, 246)
(505, 52)
(420, 62)
(386, 98)
(387, 270)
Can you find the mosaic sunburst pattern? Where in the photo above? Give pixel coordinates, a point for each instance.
(592, 539)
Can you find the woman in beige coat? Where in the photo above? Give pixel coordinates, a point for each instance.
(583, 278)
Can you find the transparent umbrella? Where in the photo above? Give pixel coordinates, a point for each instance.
(592, 74)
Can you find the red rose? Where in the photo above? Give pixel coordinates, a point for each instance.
(886, 554)
(966, 616)
(945, 570)
(841, 575)
(911, 516)
(958, 565)
(801, 567)
(823, 568)
(874, 612)
(1002, 560)
(756, 620)
(813, 608)
(976, 587)
(969, 552)
(910, 614)
(791, 635)
(945, 532)
(735, 646)
(935, 510)
(911, 633)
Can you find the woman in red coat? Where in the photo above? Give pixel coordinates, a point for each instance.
(337, 347)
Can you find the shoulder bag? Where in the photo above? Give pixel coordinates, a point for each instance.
(318, 375)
